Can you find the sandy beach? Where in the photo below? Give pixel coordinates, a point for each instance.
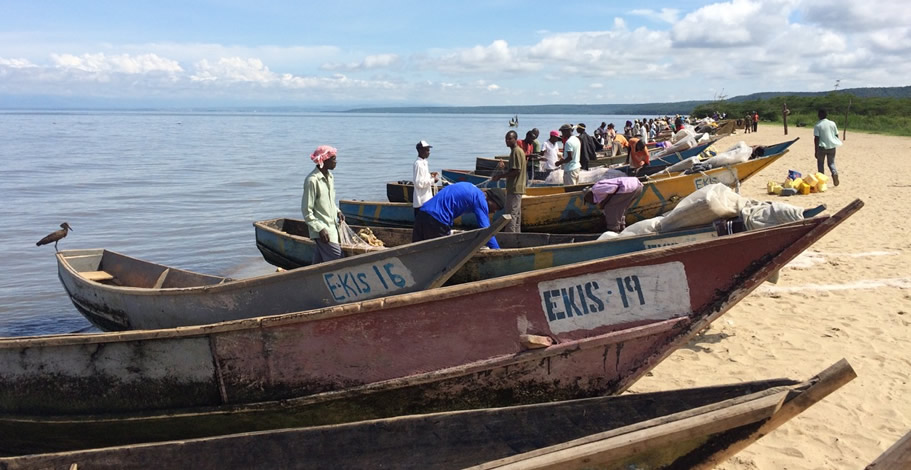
(849, 296)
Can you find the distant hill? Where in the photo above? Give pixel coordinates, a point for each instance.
(647, 109)
(891, 92)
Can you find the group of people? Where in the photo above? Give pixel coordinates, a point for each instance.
(751, 122)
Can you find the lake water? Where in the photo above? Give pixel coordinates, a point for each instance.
(183, 189)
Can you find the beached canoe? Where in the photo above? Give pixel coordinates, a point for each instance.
(671, 429)
(284, 243)
(896, 457)
(568, 212)
(117, 292)
(576, 331)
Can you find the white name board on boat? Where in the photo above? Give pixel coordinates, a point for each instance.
(656, 292)
(367, 281)
(670, 241)
(727, 176)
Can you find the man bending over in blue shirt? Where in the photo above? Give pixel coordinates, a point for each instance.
(434, 219)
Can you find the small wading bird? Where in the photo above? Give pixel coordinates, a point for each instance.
(55, 236)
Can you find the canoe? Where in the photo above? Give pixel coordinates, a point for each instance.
(284, 243)
(117, 292)
(665, 160)
(577, 331)
(568, 212)
(650, 430)
(896, 457)
(488, 166)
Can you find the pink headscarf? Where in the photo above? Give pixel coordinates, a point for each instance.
(322, 153)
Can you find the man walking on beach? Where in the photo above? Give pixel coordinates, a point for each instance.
(825, 141)
(515, 182)
(572, 148)
(318, 206)
(423, 178)
(434, 219)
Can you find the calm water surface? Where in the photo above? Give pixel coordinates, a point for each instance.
(183, 189)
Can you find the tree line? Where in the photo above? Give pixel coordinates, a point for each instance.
(871, 114)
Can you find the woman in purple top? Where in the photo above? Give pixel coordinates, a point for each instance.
(613, 196)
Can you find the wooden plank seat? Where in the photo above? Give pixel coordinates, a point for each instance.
(97, 276)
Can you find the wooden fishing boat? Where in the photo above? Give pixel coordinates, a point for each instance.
(657, 159)
(568, 212)
(117, 292)
(673, 429)
(284, 243)
(896, 457)
(576, 331)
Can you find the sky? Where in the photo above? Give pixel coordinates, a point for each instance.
(462, 53)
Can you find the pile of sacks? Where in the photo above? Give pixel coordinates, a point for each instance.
(711, 158)
(796, 183)
(713, 202)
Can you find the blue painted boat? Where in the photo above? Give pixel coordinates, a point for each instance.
(285, 243)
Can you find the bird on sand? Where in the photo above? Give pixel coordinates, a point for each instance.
(55, 236)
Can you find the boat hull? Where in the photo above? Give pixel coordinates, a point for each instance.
(490, 438)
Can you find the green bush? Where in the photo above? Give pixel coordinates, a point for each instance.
(890, 116)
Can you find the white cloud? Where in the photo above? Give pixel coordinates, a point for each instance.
(668, 15)
(120, 63)
(233, 69)
(369, 63)
(852, 15)
(16, 63)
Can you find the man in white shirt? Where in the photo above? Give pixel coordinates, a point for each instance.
(424, 180)
(643, 132)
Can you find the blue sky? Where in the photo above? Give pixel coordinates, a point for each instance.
(498, 52)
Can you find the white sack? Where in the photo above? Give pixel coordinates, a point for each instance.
(643, 227)
(715, 201)
(608, 235)
(682, 165)
(739, 153)
(758, 214)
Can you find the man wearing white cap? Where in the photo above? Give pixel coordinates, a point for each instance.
(423, 178)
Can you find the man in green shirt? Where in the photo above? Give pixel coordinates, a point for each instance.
(825, 141)
(318, 206)
(515, 182)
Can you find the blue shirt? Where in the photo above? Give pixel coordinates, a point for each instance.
(454, 200)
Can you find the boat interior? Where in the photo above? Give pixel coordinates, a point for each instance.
(115, 269)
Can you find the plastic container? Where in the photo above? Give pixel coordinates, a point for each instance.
(795, 183)
(823, 179)
(788, 191)
(811, 180)
(804, 188)
(822, 187)
(774, 188)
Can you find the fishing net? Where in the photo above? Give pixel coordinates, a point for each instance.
(364, 238)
